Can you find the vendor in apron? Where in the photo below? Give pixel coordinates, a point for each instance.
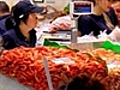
(102, 18)
(22, 22)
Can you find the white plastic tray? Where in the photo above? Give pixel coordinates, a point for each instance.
(7, 83)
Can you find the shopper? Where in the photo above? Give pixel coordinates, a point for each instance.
(4, 10)
(84, 83)
(102, 18)
(116, 7)
(4, 14)
(21, 25)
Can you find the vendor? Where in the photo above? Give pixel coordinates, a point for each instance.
(102, 18)
(116, 7)
(84, 82)
(23, 20)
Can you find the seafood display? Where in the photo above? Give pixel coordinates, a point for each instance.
(26, 65)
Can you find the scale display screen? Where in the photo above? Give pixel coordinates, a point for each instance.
(81, 7)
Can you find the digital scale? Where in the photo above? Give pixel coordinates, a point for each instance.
(81, 7)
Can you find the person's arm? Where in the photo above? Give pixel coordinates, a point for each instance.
(84, 25)
(8, 42)
(2, 27)
(2, 31)
(61, 23)
(113, 16)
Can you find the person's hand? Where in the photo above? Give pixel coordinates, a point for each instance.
(53, 28)
(115, 34)
(64, 26)
(103, 35)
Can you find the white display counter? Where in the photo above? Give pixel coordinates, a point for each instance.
(7, 83)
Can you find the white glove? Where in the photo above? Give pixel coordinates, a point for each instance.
(115, 35)
(103, 35)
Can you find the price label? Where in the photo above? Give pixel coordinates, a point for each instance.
(64, 60)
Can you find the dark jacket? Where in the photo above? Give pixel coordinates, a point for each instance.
(4, 16)
(14, 38)
(89, 23)
(3, 28)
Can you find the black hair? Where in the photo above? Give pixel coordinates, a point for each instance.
(24, 19)
(4, 7)
(14, 21)
(84, 83)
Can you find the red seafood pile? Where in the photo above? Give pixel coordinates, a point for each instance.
(26, 65)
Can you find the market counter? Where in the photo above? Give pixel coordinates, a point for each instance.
(7, 83)
(64, 37)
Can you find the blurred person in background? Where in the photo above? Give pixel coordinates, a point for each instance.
(22, 22)
(4, 10)
(4, 14)
(84, 82)
(115, 35)
(102, 18)
(116, 7)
